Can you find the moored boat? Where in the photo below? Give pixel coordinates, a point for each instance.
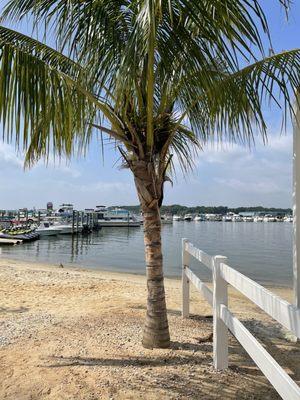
(269, 218)
(199, 217)
(213, 217)
(46, 229)
(258, 218)
(177, 218)
(227, 217)
(64, 229)
(116, 217)
(166, 220)
(19, 233)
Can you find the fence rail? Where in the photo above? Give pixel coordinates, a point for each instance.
(279, 309)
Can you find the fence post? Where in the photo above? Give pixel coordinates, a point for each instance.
(185, 282)
(220, 331)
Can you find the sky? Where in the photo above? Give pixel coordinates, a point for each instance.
(232, 175)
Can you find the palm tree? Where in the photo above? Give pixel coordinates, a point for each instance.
(159, 77)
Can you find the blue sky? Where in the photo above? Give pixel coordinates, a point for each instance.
(231, 175)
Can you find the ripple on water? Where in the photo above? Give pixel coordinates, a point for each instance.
(263, 251)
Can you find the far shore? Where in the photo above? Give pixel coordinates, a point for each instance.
(74, 333)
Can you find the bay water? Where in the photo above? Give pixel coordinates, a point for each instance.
(262, 251)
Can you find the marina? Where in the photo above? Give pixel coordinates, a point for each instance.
(262, 251)
(27, 224)
(112, 238)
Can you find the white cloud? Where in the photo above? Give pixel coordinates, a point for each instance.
(233, 175)
(9, 157)
(223, 153)
(260, 186)
(230, 175)
(281, 143)
(59, 165)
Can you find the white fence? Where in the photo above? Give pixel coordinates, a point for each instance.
(279, 309)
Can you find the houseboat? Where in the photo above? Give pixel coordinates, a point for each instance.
(116, 217)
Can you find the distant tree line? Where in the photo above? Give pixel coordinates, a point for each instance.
(179, 209)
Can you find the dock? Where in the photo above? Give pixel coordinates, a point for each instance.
(11, 242)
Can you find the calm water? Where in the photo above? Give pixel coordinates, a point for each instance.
(262, 251)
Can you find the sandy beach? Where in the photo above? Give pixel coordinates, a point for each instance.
(76, 334)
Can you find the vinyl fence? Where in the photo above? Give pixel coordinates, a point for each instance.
(279, 309)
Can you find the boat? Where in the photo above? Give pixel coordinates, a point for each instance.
(166, 220)
(213, 217)
(258, 218)
(228, 217)
(188, 217)
(65, 210)
(237, 218)
(199, 217)
(19, 233)
(248, 219)
(115, 217)
(269, 218)
(288, 218)
(24, 237)
(64, 229)
(46, 229)
(177, 218)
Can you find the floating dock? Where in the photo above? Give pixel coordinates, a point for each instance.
(10, 241)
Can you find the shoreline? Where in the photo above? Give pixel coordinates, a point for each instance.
(107, 271)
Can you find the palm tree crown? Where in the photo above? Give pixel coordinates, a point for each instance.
(160, 77)
(163, 74)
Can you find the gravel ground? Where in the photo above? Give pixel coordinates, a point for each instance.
(74, 334)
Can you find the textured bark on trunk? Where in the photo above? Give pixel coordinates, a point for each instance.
(156, 329)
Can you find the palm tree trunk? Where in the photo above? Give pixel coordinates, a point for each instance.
(156, 330)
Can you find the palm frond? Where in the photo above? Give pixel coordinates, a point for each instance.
(144, 66)
(185, 145)
(235, 101)
(45, 100)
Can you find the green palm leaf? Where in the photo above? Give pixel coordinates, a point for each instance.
(159, 77)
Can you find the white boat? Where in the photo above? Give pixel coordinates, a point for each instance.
(166, 220)
(213, 217)
(258, 218)
(248, 219)
(227, 217)
(115, 217)
(199, 217)
(64, 229)
(288, 218)
(237, 218)
(46, 229)
(65, 210)
(177, 218)
(188, 217)
(67, 229)
(269, 218)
